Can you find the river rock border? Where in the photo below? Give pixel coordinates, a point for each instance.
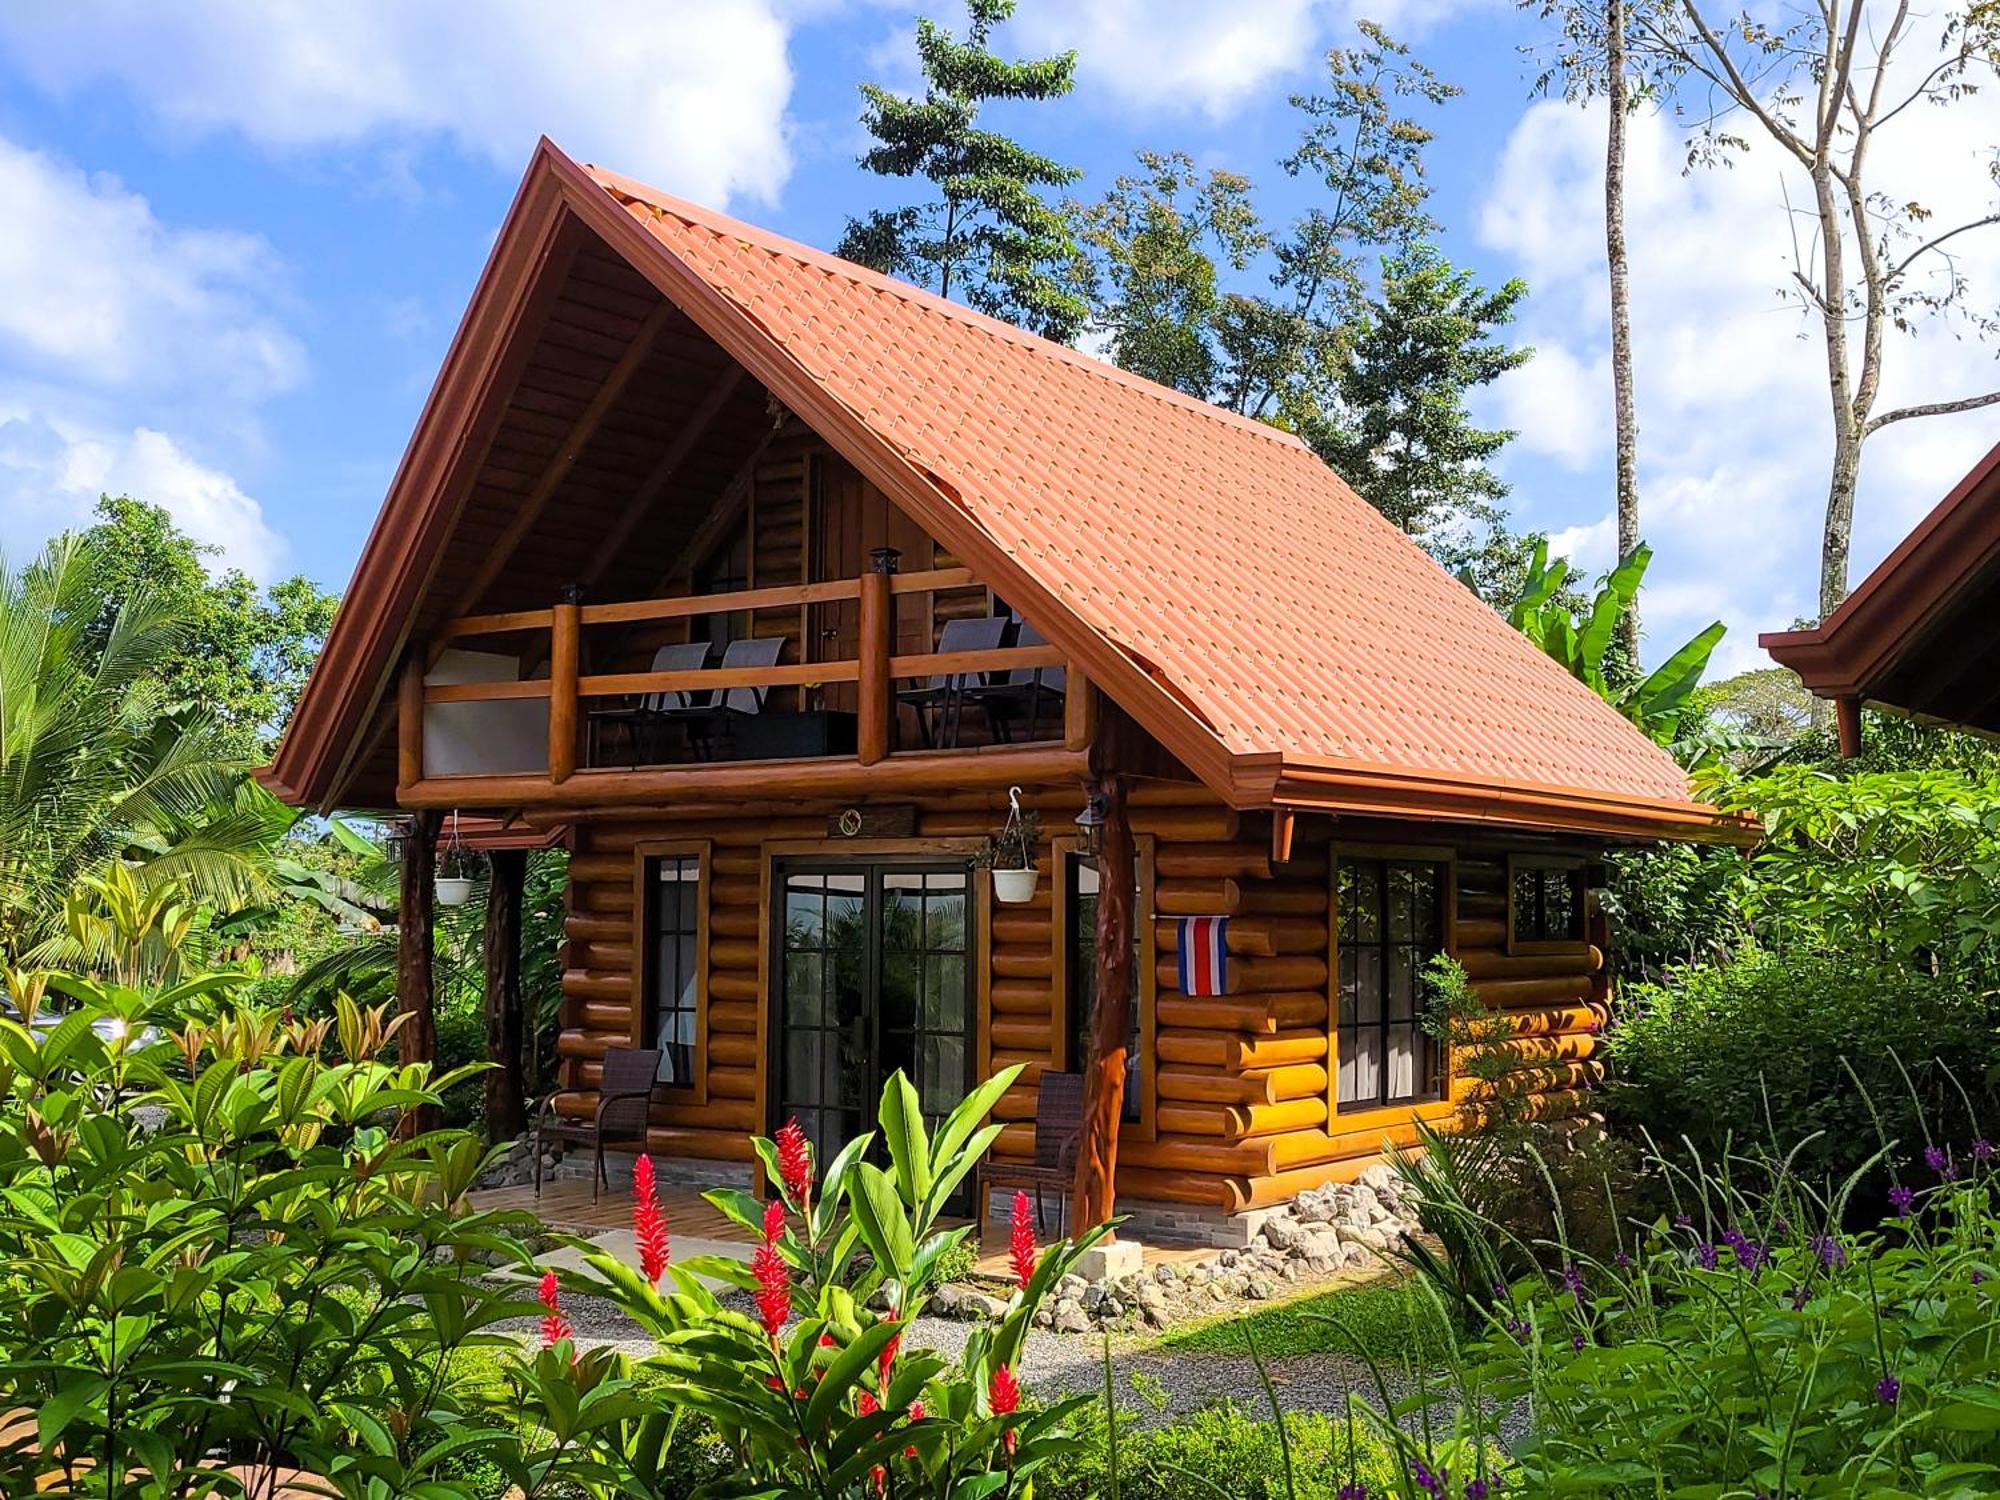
(1325, 1233)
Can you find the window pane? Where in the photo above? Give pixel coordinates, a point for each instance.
(1391, 925)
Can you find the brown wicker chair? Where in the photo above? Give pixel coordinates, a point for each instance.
(624, 1105)
(1058, 1133)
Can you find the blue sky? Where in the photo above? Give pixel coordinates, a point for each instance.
(240, 236)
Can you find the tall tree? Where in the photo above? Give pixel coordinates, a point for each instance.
(1822, 88)
(989, 235)
(241, 654)
(1159, 241)
(1594, 59)
(1282, 352)
(1399, 429)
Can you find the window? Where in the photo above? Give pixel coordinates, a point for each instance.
(673, 915)
(1392, 914)
(1546, 906)
(1080, 888)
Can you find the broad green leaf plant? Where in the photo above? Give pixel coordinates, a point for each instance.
(828, 1402)
(1656, 701)
(221, 1268)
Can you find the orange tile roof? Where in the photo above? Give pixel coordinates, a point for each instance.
(1218, 553)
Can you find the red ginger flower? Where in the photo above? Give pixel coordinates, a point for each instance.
(555, 1326)
(887, 1361)
(1021, 1241)
(1003, 1394)
(795, 1164)
(774, 1221)
(916, 1414)
(774, 1288)
(867, 1404)
(649, 1221)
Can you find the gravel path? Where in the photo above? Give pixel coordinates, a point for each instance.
(1054, 1364)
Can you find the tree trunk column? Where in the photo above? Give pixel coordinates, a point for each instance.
(415, 955)
(1111, 1017)
(506, 1107)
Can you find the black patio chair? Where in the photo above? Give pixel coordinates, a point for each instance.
(654, 710)
(944, 693)
(624, 1107)
(1021, 692)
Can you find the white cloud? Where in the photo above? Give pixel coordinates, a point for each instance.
(120, 334)
(1182, 54)
(1734, 437)
(94, 287)
(688, 93)
(52, 471)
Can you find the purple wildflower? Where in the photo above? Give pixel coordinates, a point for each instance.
(1798, 1299)
(1353, 1492)
(1572, 1280)
(1622, 1261)
(1939, 1161)
(1500, 1291)
(1750, 1256)
(1683, 1221)
(1888, 1390)
(1781, 1226)
(1978, 1277)
(1518, 1327)
(1431, 1482)
(1829, 1250)
(1706, 1254)
(1475, 1489)
(1900, 1199)
(1982, 1150)
(1576, 1343)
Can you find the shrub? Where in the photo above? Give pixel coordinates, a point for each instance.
(217, 1260)
(1777, 1048)
(1384, 1320)
(1750, 1346)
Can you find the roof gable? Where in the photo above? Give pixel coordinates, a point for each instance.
(1218, 580)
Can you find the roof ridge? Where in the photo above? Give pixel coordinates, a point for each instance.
(619, 185)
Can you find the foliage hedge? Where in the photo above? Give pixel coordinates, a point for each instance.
(1223, 1450)
(1773, 1048)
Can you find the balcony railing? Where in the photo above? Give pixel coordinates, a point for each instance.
(556, 635)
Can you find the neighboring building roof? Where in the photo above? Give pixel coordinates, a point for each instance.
(1919, 636)
(1214, 577)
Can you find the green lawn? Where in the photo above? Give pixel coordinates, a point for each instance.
(1381, 1319)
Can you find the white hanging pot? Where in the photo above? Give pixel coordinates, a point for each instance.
(1015, 887)
(453, 890)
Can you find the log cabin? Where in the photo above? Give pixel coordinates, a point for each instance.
(771, 585)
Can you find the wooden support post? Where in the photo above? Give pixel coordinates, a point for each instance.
(875, 702)
(417, 1040)
(1111, 1016)
(410, 721)
(565, 662)
(1079, 710)
(1847, 711)
(506, 1106)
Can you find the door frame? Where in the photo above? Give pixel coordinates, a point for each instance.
(863, 852)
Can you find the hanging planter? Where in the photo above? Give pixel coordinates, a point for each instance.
(1010, 854)
(453, 881)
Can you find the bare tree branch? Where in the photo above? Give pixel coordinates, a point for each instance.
(1934, 409)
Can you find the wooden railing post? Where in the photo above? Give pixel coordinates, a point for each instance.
(565, 660)
(410, 721)
(874, 701)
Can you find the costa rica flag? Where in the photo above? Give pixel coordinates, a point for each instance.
(1204, 955)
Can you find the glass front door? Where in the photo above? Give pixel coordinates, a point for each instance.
(874, 974)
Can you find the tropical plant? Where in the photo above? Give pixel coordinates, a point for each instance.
(1745, 1343)
(219, 1265)
(830, 1402)
(93, 767)
(1656, 701)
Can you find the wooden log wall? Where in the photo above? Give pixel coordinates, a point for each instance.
(1241, 1083)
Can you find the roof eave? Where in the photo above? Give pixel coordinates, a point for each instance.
(1347, 787)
